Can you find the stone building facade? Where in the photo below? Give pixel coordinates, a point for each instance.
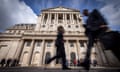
(33, 44)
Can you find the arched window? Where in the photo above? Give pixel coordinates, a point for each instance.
(47, 57)
(25, 58)
(36, 58)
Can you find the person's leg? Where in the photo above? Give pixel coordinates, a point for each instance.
(86, 62)
(2, 64)
(64, 66)
(89, 46)
(55, 57)
(63, 61)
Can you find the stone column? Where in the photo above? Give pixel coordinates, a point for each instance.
(43, 52)
(85, 44)
(62, 17)
(67, 50)
(31, 52)
(57, 18)
(53, 53)
(70, 18)
(37, 28)
(78, 49)
(48, 18)
(42, 20)
(9, 49)
(47, 24)
(65, 18)
(19, 49)
(77, 15)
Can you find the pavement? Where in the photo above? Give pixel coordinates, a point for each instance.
(73, 69)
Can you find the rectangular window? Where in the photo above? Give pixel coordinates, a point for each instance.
(68, 17)
(81, 43)
(52, 17)
(28, 43)
(45, 18)
(60, 16)
(74, 16)
(71, 44)
(48, 44)
(38, 43)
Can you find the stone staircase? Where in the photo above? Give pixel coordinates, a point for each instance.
(74, 69)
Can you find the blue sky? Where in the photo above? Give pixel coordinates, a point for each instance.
(26, 11)
(38, 5)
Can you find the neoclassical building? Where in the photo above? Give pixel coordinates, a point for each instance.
(33, 44)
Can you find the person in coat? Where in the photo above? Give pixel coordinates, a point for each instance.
(60, 49)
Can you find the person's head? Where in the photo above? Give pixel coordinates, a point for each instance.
(60, 29)
(85, 12)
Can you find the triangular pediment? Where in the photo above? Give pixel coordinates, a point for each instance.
(60, 9)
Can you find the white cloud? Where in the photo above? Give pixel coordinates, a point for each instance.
(111, 10)
(15, 12)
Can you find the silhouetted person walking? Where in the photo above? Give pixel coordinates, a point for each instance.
(95, 24)
(8, 62)
(60, 51)
(14, 63)
(2, 62)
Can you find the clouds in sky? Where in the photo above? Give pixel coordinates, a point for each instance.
(26, 11)
(111, 10)
(15, 12)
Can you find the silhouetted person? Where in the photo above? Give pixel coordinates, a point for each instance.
(14, 63)
(2, 62)
(60, 49)
(78, 62)
(67, 63)
(95, 24)
(111, 41)
(8, 64)
(75, 62)
(17, 62)
(94, 63)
